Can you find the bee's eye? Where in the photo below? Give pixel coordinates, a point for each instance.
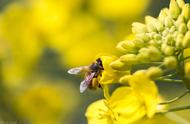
(94, 66)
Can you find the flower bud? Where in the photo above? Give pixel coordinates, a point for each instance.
(126, 46)
(165, 32)
(172, 29)
(150, 22)
(117, 64)
(157, 37)
(138, 28)
(179, 40)
(186, 40)
(120, 66)
(169, 50)
(163, 14)
(143, 55)
(139, 43)
(168, 22)
(188, 25)
(187, 69)
(129, 59)
(186, 11)
(125, 79)
(154, 72)
(180, 3)
(170, 62)
(120, 48)
(174, 9)
(143, 36)
(182, 28)
(153, 53)
(169, 39)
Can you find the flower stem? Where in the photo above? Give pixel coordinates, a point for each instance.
(175, 99)
(169, 80)
(186, 58)
(106, 91)
(181, 108)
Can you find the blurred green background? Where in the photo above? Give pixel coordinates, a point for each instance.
(41, 39)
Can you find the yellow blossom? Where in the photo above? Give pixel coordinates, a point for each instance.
(119, 9)
(123, 107)
(45, 103)
(109, 75)
(145, 88)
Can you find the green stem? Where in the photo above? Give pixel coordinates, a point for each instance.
(175, 99)
(186, 58)
(169, 80)
(181, 108)
(106, 91)
(169, 75)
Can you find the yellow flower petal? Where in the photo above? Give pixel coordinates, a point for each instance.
(109, 75)
(146, 89)
(123, 107)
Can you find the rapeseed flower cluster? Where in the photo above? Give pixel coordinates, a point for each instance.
(72, 30)
(158, 52)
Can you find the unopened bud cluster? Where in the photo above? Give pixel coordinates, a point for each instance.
(158, 40)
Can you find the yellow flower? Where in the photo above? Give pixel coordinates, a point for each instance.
(109, 75)
(45, 103)
(145, 88)
(119, 9)
(123, 107)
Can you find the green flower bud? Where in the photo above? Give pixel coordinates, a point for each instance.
(120, 47)
(150, 22)
(186, 11)
(163, 14)
(120, 66)
(117, 65)
(159, 26)
(150, 19)
(154, 72)
(170, 62)
(179, 20)
(174, 9)
(153, 53)
(188, 25)
(127, 46)
(169, 39)
(143, 37)
(143, 55)
(138, 28)
(129, 59)
(182, 28)
(180, 3)
(125, 79)
(186, 40)
(187, 69)
(168, 22)
(155, 43)
(179, 41)
(169, 50)
(157, 37)
(165, 32)
(172, 29)
(139, 43)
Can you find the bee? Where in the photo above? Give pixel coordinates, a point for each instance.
(91, 74)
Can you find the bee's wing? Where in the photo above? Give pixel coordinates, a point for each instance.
(77, 70)
(84, 84)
